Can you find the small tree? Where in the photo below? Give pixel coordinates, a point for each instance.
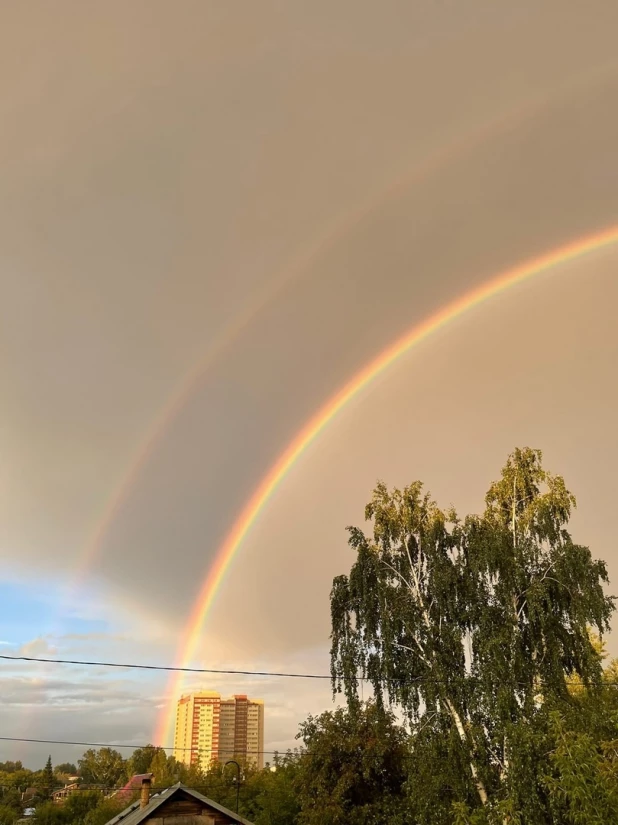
(103, 767)
(141, 759)
(353, 769)
(106, 809)
(11, 767)
(48, 813)
(47, 780)
(276, 802)
(79, 805)
(165, 769)
(470, 621)
(65, 769)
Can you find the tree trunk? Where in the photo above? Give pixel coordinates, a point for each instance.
(417, 595)
(480, 786)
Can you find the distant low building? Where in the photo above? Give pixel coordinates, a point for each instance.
(178, 805)
(63, 793)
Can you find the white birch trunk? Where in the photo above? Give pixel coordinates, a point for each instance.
(480, 786)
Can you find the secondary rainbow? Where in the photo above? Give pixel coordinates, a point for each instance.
(438, 159)
(325, 415)
(291, 271)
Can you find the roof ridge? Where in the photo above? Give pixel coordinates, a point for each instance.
(135, 814)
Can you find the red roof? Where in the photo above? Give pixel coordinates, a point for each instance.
(134, 784)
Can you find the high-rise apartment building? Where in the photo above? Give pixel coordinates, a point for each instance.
(210, 728)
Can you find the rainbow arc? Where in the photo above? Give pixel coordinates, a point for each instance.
(318, 422)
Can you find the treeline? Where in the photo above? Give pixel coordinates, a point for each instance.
(356, 766)
(268, 794)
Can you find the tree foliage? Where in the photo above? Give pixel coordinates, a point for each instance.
(78, 805)
(11, 767)
(353, 769)
(47, 780)
(101, 814)
(8, 814)
(465, 623)
(275, 800)
(582, 785)
(167, 771)
(16, 779)
(141, 760)
(104, 767)
(65, 769)
(48, 813)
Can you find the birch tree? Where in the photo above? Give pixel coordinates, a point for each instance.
(471, 622)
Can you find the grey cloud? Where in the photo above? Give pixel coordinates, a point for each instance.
(25, 691)
(437, 248)
(163, 183)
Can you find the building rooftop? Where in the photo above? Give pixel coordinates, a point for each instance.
(133, 786)
(135, 814)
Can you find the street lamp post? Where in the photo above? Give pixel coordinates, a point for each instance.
(233, 762)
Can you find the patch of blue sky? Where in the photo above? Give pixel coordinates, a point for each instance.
(29, 611)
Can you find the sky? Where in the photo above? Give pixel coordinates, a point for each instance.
(212, 216)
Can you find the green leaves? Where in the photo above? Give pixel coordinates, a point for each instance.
(353, 770)
(465, 623)
(104, 767)
(8, 815)
(140, 760)
(582, 787)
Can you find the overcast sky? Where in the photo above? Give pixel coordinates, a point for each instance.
(251, 200)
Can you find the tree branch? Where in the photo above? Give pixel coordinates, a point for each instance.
(397, 573)
(411, 649)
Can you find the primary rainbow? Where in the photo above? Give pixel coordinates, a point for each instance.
(327, 412)
(438, 159)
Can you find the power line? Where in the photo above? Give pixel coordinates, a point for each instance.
(129, 791)
(169, 668)
(248, 754)
(287, 754)
(265, 673)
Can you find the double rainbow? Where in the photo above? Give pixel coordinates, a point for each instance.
(312, 429)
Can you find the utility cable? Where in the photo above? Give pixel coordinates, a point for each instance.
(265, 673)
(248, 754)
(170, 668)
